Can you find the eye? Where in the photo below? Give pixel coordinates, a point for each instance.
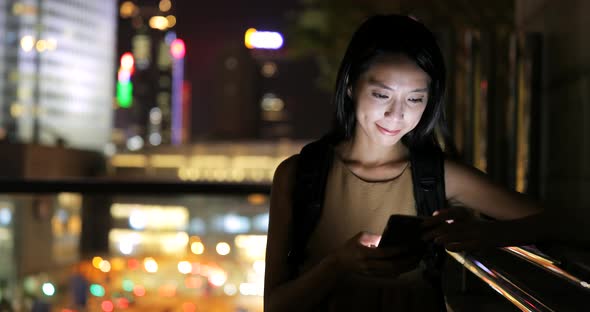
(416, 100)
(379, 95)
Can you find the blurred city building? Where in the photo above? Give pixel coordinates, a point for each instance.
(152, 94)
(56, 72)
(56, 97)
(263, 93)
(250, 92)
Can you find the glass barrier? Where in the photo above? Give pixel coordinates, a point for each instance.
(132, 246)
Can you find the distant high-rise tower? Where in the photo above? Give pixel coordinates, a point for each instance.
(57, 71)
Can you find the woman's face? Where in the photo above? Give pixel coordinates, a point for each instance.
(390, 98)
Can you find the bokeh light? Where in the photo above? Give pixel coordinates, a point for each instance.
(5, 216)
(171, 20)
(217, 278)
(139, 290)
(133, 264)
(158, 22)
(165, 5)
(128, 285)
(127, 61)
(122, 303)
(27, 43)
(177, 48)
(254, 39)
(127, 9)
(185, 267)
(197, 248)
(105, 266)
(48, 289)
(107, 306)
(41, 45)
(223, 248)
(97, 290)
(150, 265)
(96, 262)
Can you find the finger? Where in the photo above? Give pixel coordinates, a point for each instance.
(368, 239)
(453, 229)
(441, 217)
(447, 215)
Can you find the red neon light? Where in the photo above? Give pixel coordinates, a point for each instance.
(177, 48)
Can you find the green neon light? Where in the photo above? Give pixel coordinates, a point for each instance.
(124, 94)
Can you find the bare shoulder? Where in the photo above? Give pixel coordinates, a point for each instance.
(285, 174)
(283, 183)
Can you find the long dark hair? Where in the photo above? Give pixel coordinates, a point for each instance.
(393, 34)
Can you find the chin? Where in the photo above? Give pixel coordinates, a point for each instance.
(387, 141)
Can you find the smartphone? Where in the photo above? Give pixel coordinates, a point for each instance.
(403, 231)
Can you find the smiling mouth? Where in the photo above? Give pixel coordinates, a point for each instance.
(388, 132)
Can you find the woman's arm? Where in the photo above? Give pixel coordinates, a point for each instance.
(520, 220)
(469, 187)
(280, 294)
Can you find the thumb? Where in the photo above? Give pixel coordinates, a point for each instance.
(368, 239)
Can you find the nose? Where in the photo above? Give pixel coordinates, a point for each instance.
(395, 110)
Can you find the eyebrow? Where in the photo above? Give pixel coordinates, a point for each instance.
(380, 84)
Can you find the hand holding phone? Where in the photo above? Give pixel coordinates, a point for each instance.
(403, 230)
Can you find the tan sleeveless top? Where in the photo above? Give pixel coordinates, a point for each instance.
(352, 205)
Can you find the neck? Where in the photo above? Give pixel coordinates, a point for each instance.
(368, 153)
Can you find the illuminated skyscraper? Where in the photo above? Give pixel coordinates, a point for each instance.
(57, 71)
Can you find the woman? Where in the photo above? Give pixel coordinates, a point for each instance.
(389, 99)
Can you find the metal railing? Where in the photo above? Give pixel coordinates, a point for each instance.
(509, 270)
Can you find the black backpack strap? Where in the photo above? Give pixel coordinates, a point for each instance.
(313, 166)
(428, 175)
(430, 196)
